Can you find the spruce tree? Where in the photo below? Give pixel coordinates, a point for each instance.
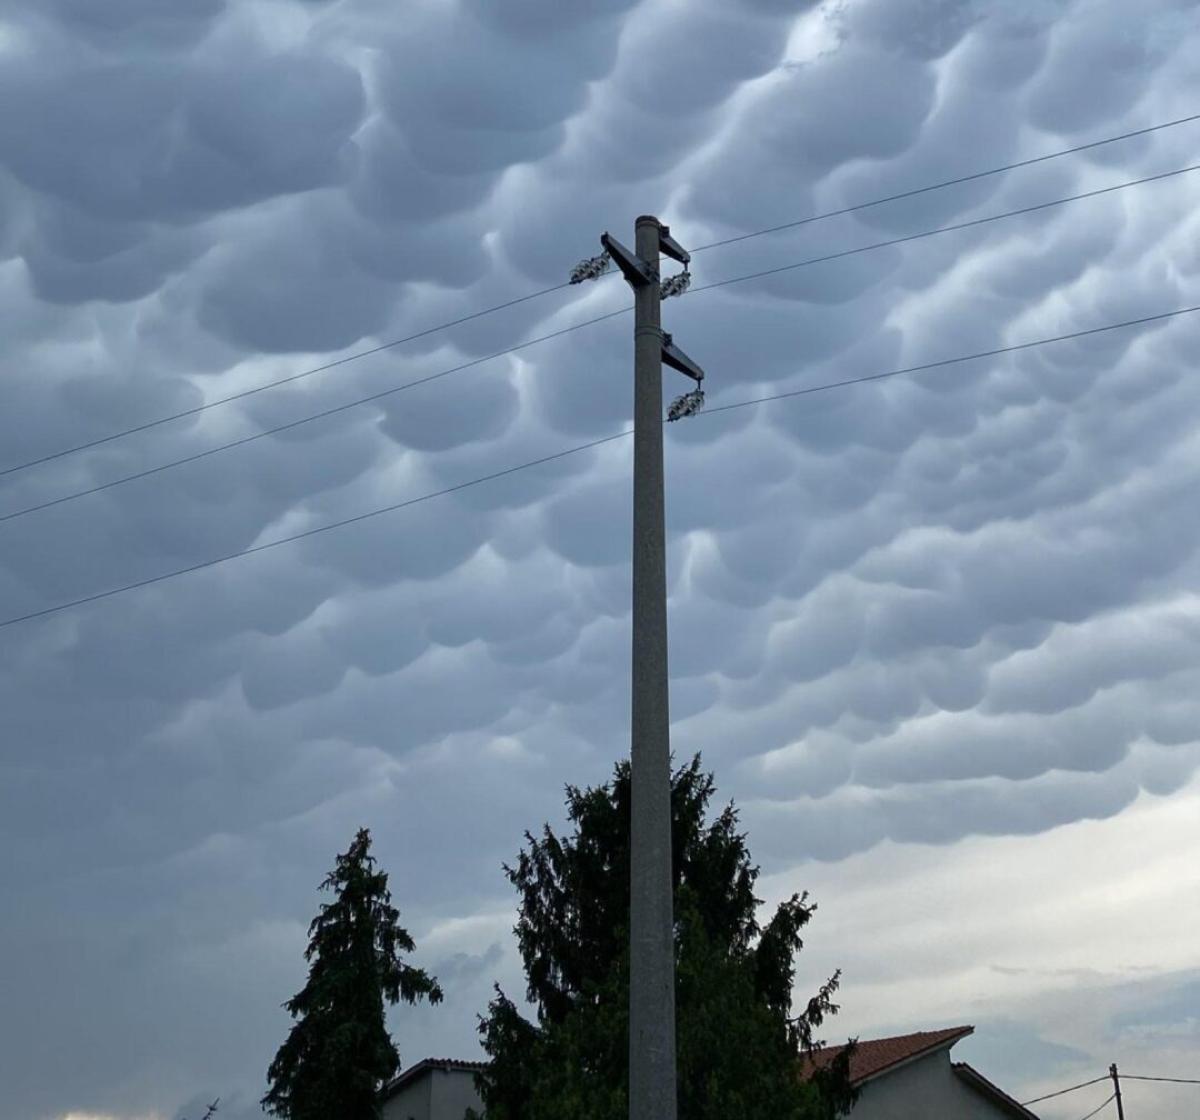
(738, 1044)
(338, 1053)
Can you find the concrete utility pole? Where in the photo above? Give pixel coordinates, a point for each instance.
(652, 1092)
(1112, 1072)
(652, 1089)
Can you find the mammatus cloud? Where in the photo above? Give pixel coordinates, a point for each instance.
(951, 609)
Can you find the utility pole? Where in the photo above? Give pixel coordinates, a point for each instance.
(1112, 1072)
(652, 1083)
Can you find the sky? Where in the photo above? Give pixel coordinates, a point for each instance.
(935, 634)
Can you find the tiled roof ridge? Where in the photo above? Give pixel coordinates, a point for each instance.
(408, 1074)
(874, 1056)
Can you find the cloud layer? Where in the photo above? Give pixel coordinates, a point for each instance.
(945, 606)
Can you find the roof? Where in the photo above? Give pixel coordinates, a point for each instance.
(980, 1083)
(878, 1055)
(427, 1065)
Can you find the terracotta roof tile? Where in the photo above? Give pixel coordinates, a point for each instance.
(873, 1056)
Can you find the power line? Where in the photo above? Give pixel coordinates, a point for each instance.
(302, 420)
(1124, 1076)
(275, 384)
(943, 229)
(562, 455)
(1061, 1092)
(184, 413)
(335, 410)
(1112, 1098)
(945, 183)
(1177, 1080)
(310, 532)
(949, 362)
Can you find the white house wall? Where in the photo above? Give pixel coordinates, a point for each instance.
(925, 1089)
(436, 1094)
(453, 1093)
(412, 1102)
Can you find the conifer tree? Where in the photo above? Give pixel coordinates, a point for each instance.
(338, 1053)
(738, 1044)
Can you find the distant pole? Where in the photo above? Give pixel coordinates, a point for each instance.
(652, 1090)
(652, 1081)
(1112, 1071)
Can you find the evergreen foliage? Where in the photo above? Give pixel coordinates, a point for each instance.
(338, 1053)
(738, 1046)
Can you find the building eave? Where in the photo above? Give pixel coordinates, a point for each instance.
(932, 1048)
(426, 1065)
(993, 1092)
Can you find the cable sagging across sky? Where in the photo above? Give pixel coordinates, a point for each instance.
(1101, 1108)
(383, 393)
(944, 183)
(370, 514)
(528, 296)
(1069, 1089)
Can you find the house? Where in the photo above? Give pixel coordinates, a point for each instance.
(911, 1077)
(433, 1089)
(907, 1077)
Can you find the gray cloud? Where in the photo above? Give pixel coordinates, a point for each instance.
(948, 605)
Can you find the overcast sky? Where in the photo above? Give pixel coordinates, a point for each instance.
(937, 635)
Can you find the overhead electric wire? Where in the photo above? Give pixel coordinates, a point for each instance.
(942, 229)
(1176, 1080)
(184, 413)
(945, 183)
(863, 380)
(1102, 1107)
(275, 384)
(562, 455)
(1071, 1089)
(309, 532)
(336, 409)
(302, 420)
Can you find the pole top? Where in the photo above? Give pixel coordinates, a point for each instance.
(647, 219)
